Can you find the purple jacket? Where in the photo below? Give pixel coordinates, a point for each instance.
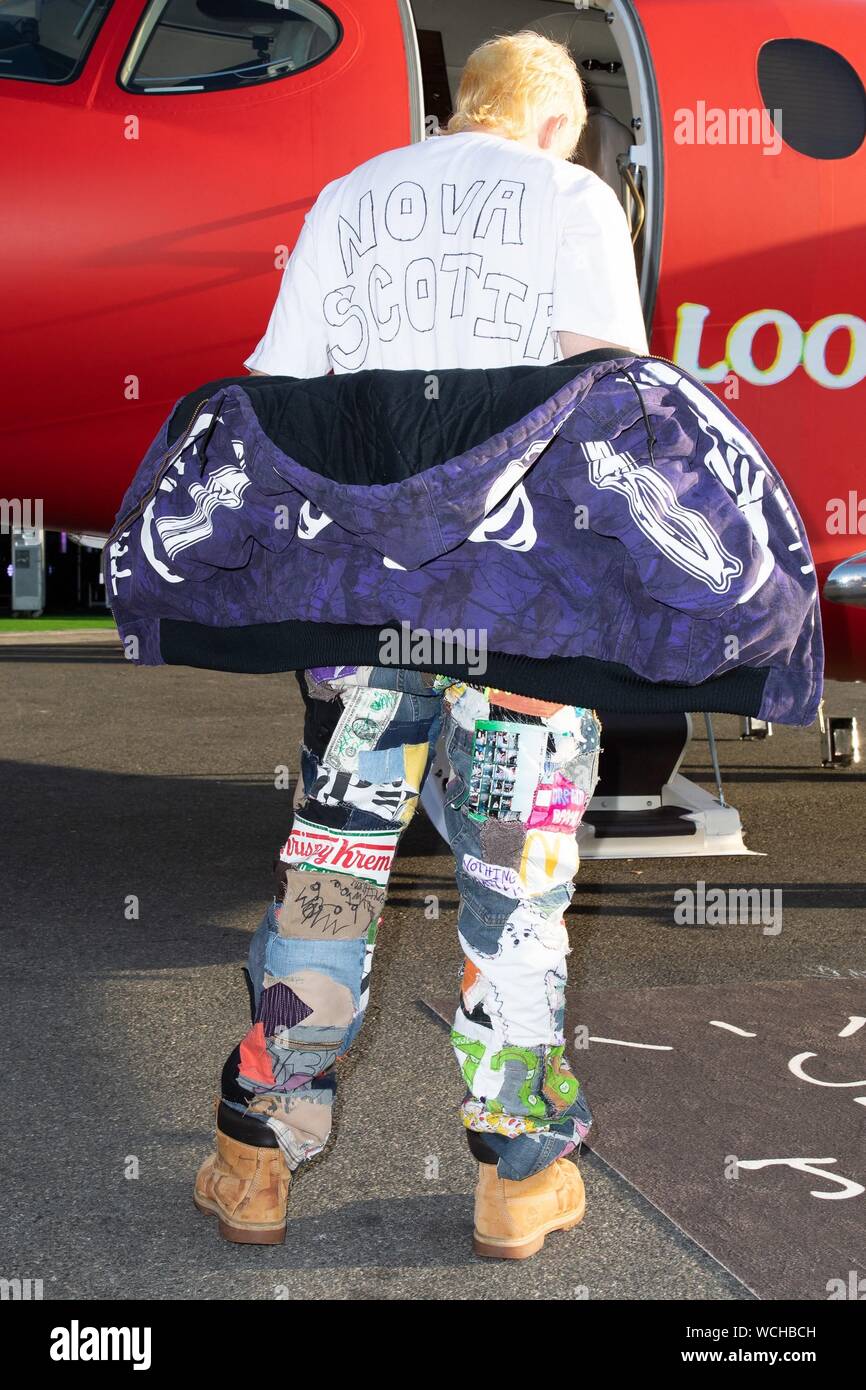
(603, 527)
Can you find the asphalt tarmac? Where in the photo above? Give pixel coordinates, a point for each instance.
(140, 814)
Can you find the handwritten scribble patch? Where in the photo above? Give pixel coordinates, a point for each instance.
(328, 905)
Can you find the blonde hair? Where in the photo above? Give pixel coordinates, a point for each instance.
(513, 82)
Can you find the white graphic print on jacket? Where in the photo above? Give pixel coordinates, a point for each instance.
(732, 457)
(117, 549)
(225, 487)
(683, 535)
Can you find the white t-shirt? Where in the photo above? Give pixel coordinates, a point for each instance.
(464, 250)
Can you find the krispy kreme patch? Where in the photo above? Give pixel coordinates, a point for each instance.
(365, 854)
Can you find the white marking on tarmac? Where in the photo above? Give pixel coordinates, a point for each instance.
(796, 1066)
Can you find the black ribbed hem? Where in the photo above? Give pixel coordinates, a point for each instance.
(267, 648)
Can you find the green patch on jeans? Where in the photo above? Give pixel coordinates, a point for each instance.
(474, 1053)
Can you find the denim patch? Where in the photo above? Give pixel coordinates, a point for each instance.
(482, 925)
(400, 678)
(526, 1154)
(554, 902)
(258, 950)
(411, 731)
(352, 1031)
(341, 961)
(380, 764)
(458, 746)
(483, 905)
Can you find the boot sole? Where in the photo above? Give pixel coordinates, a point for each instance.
(242, 1235)
(513, 1249)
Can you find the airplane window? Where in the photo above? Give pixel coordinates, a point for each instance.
(213, 45)
(48, 40)
(819, 94)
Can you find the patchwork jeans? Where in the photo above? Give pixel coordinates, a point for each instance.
(522, 773)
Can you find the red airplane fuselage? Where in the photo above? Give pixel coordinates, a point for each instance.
(144, 234)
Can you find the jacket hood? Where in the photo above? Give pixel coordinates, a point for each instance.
(364, 447)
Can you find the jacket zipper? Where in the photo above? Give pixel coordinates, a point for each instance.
(651, 439)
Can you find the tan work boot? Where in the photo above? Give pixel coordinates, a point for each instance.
(247, 1187)
(512, 1218)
